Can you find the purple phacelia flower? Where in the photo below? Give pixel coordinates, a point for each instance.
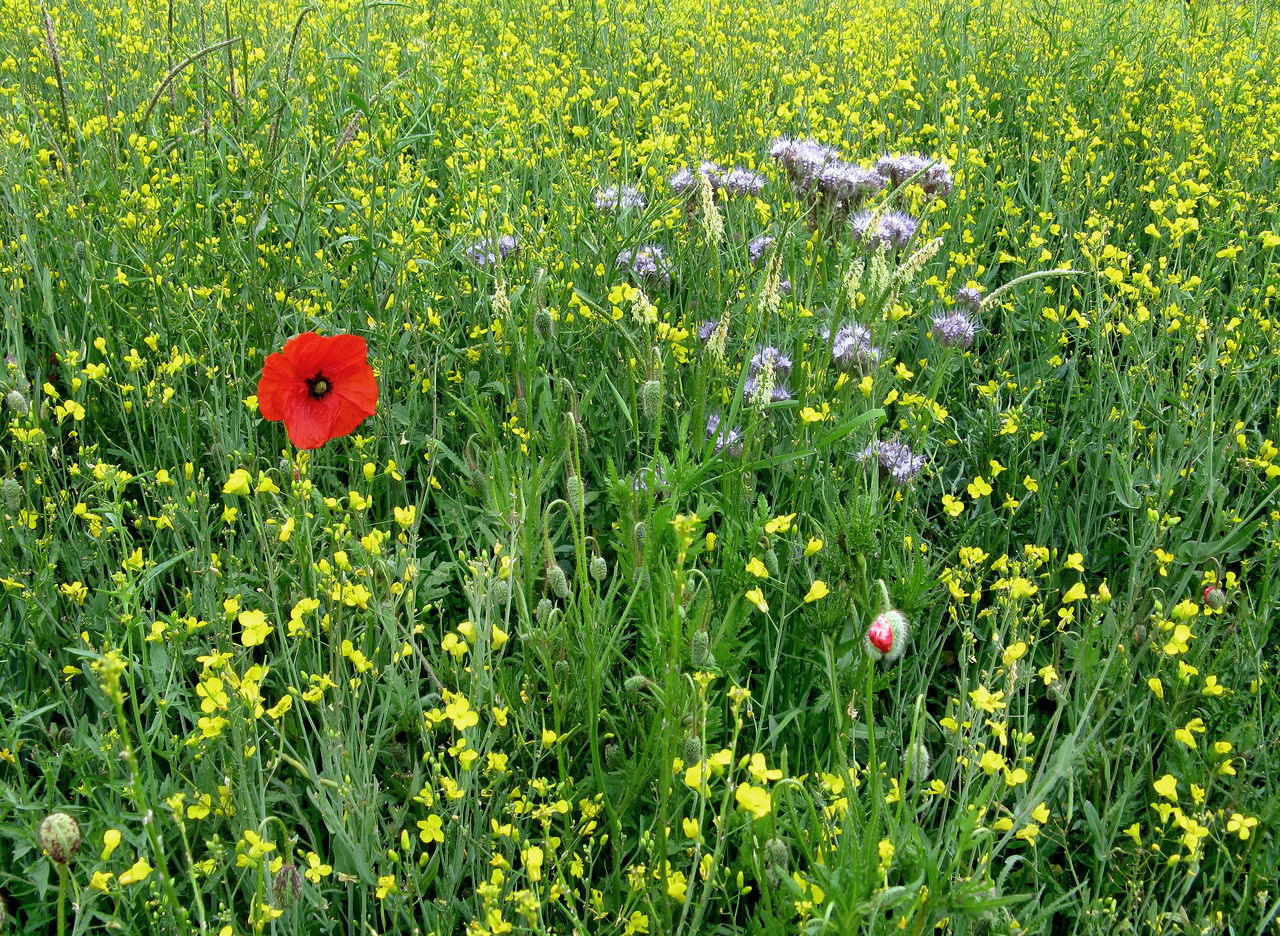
(706, 330)
(852, 350)
(803, 158)
(730, 441)
(896, 459)
(954, 329)
(757, 248)
(685, 181)
(620, 198)
(894, 229)
(651, 480)
(648, 263)
(738, 181)
(970, 297)
(844, 182)
(932, 176)
(769, 355)
(485, 252)
(779, 394)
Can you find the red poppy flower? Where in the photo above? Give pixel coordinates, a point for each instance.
(321, 387)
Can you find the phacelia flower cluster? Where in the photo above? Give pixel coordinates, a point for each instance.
(954, 329)
(819, 173)
(930, 174)
(852, 350)
(726, 440)
(733, 182)
(896, 459)
(486, 252)
(620, 198)
(648, 263)
(891, 230)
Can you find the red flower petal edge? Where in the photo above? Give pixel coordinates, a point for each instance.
(321, 388)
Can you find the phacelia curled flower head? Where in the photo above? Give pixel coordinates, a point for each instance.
(729, 441)
(706, 330)
(485, 252)
(930, 174)
(778, 392)
(738, 182)
(852, 350)
(896, 459)
(321, 388)
(648, 263)
(769, 356)
(970, 297)
(894, 229)
(954, 329)
(756, 249)
(620, 198)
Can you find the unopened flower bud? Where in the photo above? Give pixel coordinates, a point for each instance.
(691, 750)
(1214, 598)
(557, 581)
(918, 763)
(544, 326)
(17, 402)
(612, 756)
(651, 399)
(700, 649)
(543, 611)
(639, 532)
(573, 494)
(599, 568)
(59, 837)
(286, 886)
(634, 684)
(771, 563)
(560, 671)
(887, 636)
(12, 493)
(500, 591)
(522, 411)
(777, 854)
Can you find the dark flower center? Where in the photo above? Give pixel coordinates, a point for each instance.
(319, 386)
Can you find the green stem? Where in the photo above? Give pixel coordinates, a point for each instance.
(62, 898)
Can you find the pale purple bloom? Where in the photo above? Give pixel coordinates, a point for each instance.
(730, 442)
(969, 297)
(619, 198)
(706, 330)
(896, 458)
(954, 329)
(757, 248)
(768, 354)
(936, 177)
(648, 263)
(651, 480)
(738, 181)
(685, 181)
(852, 348)
(803, 158)
(482, 252)
(780, 393)
(894, 229)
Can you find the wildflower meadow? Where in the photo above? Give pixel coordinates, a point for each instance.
(565, 467)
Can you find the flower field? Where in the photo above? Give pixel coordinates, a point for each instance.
(558, 467)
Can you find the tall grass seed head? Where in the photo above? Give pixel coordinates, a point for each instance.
(887, 636)
(60, 837)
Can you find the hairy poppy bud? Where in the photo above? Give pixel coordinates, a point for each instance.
(17, 402)
(560, 671)
(59, 837)
(918, 763)
(543, 611)
(634, 684)
(771, 563)
(573, 494)
(557, 581)
(544, 326)
(700, 649)
(522, 411)
(887, 636)
(639, 532)
(612, 756)
(651, 399)
(286, 886)
(691, 749)
(12, 493)
(500, 591)
(1214, 598)
(599, 568)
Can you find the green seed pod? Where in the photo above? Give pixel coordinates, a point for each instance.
(581, 432)
(700, 649)
(543, 611)
(286, 886)
(573, 494)
(651, 400)
(557, 581)
(500, 591)
(544, 326)
(771, 563)
(59, 837)
(599, 568)
(691, 750)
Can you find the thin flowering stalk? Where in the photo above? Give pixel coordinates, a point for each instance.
(995, 294)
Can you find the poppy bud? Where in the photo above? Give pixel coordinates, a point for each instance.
(500, 591)
(560, 672)
(634, 684)
(771, 563)
(543, 611)
(777, 861)
(12, 493)
(639, 532)
(17, 402)
(522, 411)
(557, 581)
(1215, 598)
(59, 837)
(887, 636)
(544, 326)
(286, 886)
(651, 399)
(640, 578)
(700, 649)
(919, 763)
(573, 494)
(612, 756)
(691, 749)
(599, 568)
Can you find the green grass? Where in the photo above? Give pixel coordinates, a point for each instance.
(688, 734)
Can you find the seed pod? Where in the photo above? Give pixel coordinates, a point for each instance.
(777, 854)
(573, 494)
(700, 649)
(599, 568)
(771, 563)
(17, 402)
(581, 431)
(544, 326)
(640, 578)
(651, 399)
(59, 837)
(634, 684)
(691, 749)
(286, 886)
(557, 581)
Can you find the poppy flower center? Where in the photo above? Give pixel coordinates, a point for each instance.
(319, 386)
